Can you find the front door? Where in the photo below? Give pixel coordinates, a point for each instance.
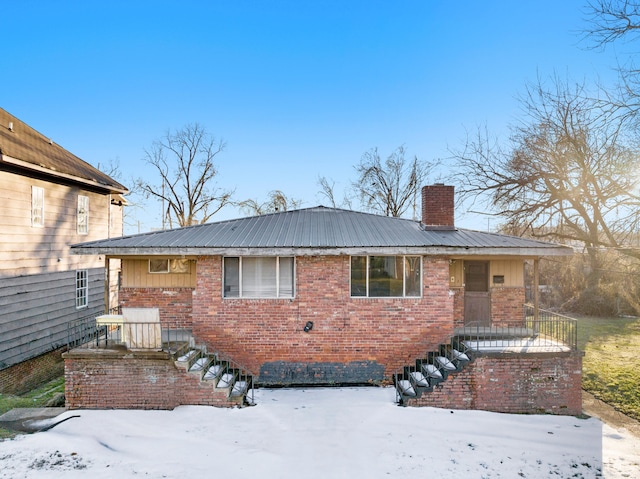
(477, 305)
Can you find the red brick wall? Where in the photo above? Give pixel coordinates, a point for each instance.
(32, 373)
(347, 331)
(175, 304)
(458, 307)
(108, 379)
(437, 205)
(507, 306)
(513, 383)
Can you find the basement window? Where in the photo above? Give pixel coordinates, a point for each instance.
(386, 276)
(259, 277)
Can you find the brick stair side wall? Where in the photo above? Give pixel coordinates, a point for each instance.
(513, 383)
(124, 380)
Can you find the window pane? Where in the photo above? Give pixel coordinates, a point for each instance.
(259, 277)
(231, 277)
(385, 276)
(158, 266)
(82, 288)
(358, 276)
(286, 278)
(412, 276)
(83, 214)
(37, 206)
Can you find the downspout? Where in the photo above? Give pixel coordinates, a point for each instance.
(107, 283)
(536, 289)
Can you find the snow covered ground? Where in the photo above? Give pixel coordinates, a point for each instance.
(320, 433)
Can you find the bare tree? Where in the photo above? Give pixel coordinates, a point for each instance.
(185, 162)
(612, 20)
(569, 173)
(277, 201)
(327, 191)
(390, 186)
(615, 21)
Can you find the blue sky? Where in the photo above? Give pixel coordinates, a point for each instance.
(297, 89)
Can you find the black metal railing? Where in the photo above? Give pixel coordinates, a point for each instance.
(539, 331)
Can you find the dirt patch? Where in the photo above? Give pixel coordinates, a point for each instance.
(596, 408)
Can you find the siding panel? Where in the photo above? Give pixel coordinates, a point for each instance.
(35, 321)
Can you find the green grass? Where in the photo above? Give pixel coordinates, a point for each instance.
(36, 398)
(611, 366)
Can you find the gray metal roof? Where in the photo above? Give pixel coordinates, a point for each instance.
(318, 230)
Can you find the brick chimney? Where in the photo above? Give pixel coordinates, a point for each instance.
(437, 207)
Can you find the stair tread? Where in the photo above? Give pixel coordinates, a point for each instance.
(420, 379)
(199, 364)
(446, 363)
(406, 388)
(188, 355)
(225, 380)
(239, 388)
(213, 372)
(432, 371)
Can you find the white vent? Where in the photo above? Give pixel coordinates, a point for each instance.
(10, 126)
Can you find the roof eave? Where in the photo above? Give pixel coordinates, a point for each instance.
(527, 252)
(47, 171)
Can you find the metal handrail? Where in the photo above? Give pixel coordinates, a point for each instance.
(543, 331)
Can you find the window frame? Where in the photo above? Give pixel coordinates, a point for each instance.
(82, 216)
(37, 205)
(82, 288)
(278, 285)
(367, 294)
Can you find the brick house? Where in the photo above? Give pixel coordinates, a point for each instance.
(330, 296)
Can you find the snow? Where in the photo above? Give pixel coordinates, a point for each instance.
(518, 345)
(320, 433)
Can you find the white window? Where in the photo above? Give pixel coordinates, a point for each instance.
(83, 215)
(386, 276)
(259, 277)
(82, 289)
(37, 206)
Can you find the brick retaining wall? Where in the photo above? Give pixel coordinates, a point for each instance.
(32, 373)
(529, 383)
(120, 379)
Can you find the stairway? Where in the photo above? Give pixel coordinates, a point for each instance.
(430, 371)
(223, 376)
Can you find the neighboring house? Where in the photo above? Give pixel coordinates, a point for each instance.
(49, 199)
(323, 295)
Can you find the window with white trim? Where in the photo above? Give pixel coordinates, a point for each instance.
(37, 206)
(259, 277)
(82, 288)
(386, 276)
(83, 215)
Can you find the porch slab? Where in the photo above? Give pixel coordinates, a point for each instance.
(521, 345)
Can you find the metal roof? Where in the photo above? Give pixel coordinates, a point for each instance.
(316, 231)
